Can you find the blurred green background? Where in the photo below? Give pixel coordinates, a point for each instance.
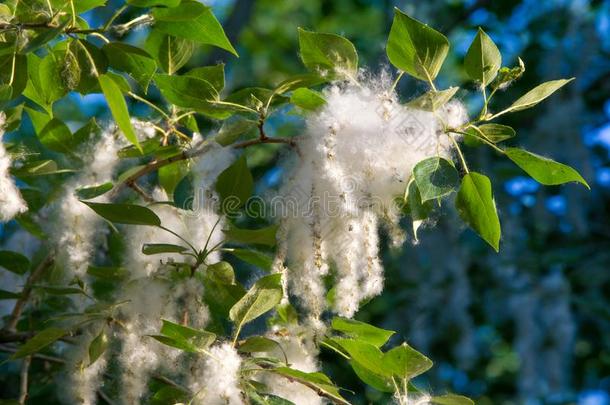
(530, 325)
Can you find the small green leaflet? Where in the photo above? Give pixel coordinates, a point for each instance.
(158, 248)
(265, 294)
(494, 133)
(235, 185)
(328, 53)
(536, 95)
(433, 100)
(98, 346)
(361, 331)
(415, 48)
(89, 192)
(221, 272)
(544, 170)
(262, 236)
(14, 262)
(477, 208)
(129, 214)
(171, 53)
(118, 108)
(131, 60)
(39, 342)
(483, 59)
(406, 362)
(435, 177)
(195, 21)
(451, 399)
(307, 99)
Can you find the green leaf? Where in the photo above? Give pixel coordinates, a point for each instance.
(415, 48)
(435, 177)
(152, 3)
(44, 86)
(170, 52)
(192, 20)
(108, 273)
(215, 75)
(89, 192)
(253, 257)
(43, 37)
(231, 130)
(190, 92)
(483, 59)
(477, 208)
(536, 95)
(451, 399)
(235, 185)
(263, 236)
(221, 297)
(19, 75)
(98, 346)
(418, 210)
(131, 60)
(258, 344)
(307, 99)
(433, 100)
(265, 294)
(170, 395)
(13, 118)
(118, 108)
(262, 398)
(221, 272)
(316, 380)
(41, 340)
(328, 53)
(129, 214)
(362, 331)
(14, 262)
(193, 339)
(543, 170)
(406, 362)
(170, 175)
(494, 133)
(157, 248)
(57, 137)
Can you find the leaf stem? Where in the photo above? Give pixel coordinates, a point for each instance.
(400, 75)
(459, 151)
(148, 103)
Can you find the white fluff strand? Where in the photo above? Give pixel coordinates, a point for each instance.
(11, 202)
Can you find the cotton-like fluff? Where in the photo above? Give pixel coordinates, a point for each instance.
(215, 380)
(84, 379)
(301, 352)
(11, 202)
(194, 226)
(355, 159)
(78, 224)
(150, 301)
(422, 399)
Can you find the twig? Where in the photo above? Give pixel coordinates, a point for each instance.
(134, 186)
(11, 325)
(23, 386)
(156, 164)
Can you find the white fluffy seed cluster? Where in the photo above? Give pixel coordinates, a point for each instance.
(149, 297)
(301, 353)
(357, 156)
(215, 380)
(11, 202)
(78, 224)
(84, 379)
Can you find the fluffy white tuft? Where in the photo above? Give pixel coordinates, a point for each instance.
(217, 381)
(11, 202)
(78, 224)
(301, 352)
(84, 380)
(357, 156)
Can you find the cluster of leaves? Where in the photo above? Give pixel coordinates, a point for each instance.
(47, 51)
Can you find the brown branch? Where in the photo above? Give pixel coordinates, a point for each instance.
(11, 325)
(23, 386)
(156, 164)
